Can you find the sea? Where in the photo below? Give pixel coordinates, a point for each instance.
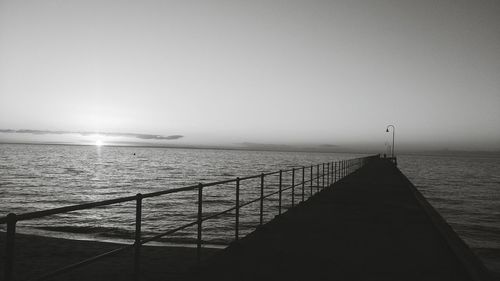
(465, 190)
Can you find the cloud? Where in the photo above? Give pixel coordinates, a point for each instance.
(108, 134)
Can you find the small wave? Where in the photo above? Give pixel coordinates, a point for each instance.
(74, 171)
(221, 216)
(478, 228)
(488, 252)
(104, 231)
(166, 168)
(218, 201)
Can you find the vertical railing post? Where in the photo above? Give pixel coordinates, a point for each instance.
(323, 177)
(317, 178)
(293, 187)
(137, 240)
(332, 171)
(200, 221)
(237, 210)
(311, 176)
(10, 239)
(328, 174)
(303, 181)
(279, 192)
(261, 217)
(334, 179)
(335, 173)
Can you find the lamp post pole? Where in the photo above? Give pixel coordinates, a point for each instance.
(393, 132)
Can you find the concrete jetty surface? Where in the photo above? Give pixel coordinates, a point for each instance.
(371, 225)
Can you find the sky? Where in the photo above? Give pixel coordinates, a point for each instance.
(277, 72)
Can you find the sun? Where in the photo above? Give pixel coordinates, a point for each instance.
(99, 143)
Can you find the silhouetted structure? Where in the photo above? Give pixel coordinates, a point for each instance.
(371, 225)
(363, 221)
(316, 177)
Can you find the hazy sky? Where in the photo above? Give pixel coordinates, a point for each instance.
(332, 72)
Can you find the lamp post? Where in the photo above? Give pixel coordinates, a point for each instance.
(393, 132)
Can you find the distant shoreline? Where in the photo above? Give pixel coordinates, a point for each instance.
(451, 153)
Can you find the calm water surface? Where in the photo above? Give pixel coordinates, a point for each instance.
(465, 190)
(39, 177)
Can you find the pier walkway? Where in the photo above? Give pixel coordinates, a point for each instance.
(371, 225)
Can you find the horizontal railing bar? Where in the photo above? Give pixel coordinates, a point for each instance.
(268, 195)
(218, 182)
(81, 263)
(294, 185)
(213, 216)
(249, 202)
(298, 184)
(287, 188)
(249, 177)
(173, 190)
(218, 214)
(39, 214)
(44, 213)
(273, 193)
(234, 180)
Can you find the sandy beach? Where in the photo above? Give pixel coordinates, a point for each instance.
(36, 255)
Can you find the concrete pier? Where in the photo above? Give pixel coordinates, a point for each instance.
(371, 225)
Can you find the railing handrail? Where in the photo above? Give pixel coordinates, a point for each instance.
(343, 167)
(91, 205)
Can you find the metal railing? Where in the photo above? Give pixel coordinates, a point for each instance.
(326, 174)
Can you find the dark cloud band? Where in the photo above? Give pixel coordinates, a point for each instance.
(108, 134)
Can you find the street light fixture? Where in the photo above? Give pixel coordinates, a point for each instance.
(393, 132)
